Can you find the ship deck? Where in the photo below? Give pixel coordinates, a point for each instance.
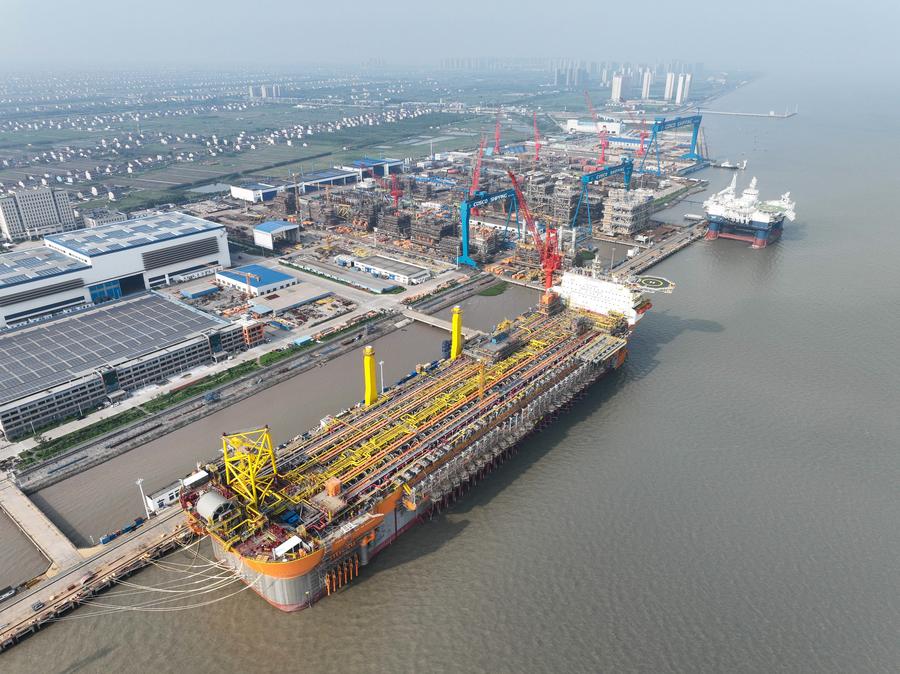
(374, 451)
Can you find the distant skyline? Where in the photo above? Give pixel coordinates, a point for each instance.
(760, 35)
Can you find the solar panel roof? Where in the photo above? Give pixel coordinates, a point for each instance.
(133, 233)
(52, 352)
(25, 265)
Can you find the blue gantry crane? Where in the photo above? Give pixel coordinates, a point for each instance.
(480, 199)
(626, 168)
(662, 124)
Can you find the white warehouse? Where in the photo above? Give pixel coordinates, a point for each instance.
(90, 266)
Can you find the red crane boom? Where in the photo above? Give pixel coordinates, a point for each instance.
(601, 133)
(549, 247)
(476, 172)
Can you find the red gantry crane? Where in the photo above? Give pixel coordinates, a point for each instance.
(547, 247)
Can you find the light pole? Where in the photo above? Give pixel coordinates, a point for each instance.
(381, 374)
(375, 237)
(140, 483)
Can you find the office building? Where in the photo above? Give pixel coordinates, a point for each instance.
(31, 214)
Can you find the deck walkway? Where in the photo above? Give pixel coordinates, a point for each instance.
(468, 333)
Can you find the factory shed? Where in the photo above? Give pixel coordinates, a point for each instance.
(269, 234)
(255, 279)
(389, 268)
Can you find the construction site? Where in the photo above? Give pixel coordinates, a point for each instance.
(298, 521)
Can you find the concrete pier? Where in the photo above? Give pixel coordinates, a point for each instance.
(58, 549)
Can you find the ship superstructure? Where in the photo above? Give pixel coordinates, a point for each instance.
(301, 524)
(745, 217)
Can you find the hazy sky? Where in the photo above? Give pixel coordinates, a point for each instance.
(808, 35)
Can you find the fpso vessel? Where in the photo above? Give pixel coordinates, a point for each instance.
(300, 525)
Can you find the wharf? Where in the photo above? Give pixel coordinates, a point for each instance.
(69, 588)
(45, 535)
(651, 256)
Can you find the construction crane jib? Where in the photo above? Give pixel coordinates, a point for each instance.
(465, 210)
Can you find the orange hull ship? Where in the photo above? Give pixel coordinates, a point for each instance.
(302, 526)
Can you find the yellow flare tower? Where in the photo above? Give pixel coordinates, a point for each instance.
(369, 370)
(456, 336)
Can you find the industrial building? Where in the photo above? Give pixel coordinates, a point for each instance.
(31, 214)
(389, 268)
(255, 280)
(259, 192)
(68, 365)
(95, 265)
(269, 234)
(589, 126)
(98, 217)
(254, 192)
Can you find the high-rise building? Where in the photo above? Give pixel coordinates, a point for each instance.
(645, 84)
(616, 92)
(29, 214)
(686, 94)
(679, 90)
(670, 86)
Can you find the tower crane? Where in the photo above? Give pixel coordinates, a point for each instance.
(476, 172)
(396, 192)
(547, 247)
(537, 139)
(497, 134)
(626, 168)
(601, 133)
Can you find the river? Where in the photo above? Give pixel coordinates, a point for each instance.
(727, 502)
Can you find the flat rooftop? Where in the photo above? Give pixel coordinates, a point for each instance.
(391, 265)
(22, 266)
(257, 186)
(264, 275)
(132, 233)
(38, 356)
(276, 226)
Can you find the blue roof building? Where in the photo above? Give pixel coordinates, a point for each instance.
(255, 279)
